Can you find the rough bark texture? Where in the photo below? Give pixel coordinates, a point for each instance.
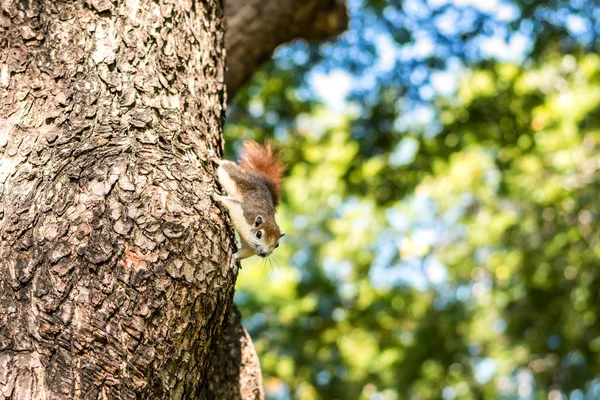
(236, 374)
(114, 278)
(256, 27)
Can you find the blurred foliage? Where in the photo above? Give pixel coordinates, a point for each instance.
(441, 243)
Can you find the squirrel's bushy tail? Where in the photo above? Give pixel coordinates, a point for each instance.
(264, 160)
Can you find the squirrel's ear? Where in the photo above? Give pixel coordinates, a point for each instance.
(282, 234)
(258, 221)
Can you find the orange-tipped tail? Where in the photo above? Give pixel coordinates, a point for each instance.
(264, 160)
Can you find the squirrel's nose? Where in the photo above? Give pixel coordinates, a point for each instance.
(262, 253)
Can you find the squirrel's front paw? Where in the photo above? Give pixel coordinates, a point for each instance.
(210, 191)
(212, 156)
(217, 198)
(233, 265)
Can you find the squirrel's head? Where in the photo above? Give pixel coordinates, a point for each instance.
(264, 236)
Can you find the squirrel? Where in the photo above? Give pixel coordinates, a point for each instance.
(253, 193)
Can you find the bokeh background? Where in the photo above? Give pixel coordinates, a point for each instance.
(442, 205)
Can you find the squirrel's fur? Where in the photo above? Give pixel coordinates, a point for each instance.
(253, 188)
(264, 160)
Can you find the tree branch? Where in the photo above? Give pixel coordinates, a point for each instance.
(256, 27)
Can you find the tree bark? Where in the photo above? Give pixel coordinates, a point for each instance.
(113, 260)
(256, 27)
(114, 279)
(235, 372)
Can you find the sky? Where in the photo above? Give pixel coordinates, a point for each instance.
(333, 86)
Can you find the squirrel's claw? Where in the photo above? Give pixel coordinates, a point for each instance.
(210, 191)
(212, 156)
(234, 265)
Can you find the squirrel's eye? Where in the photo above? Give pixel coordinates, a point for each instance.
(259, 234)
(277, 245)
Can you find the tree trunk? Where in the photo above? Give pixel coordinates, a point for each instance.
(113, 260)
(114, 277)
(235, 370)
